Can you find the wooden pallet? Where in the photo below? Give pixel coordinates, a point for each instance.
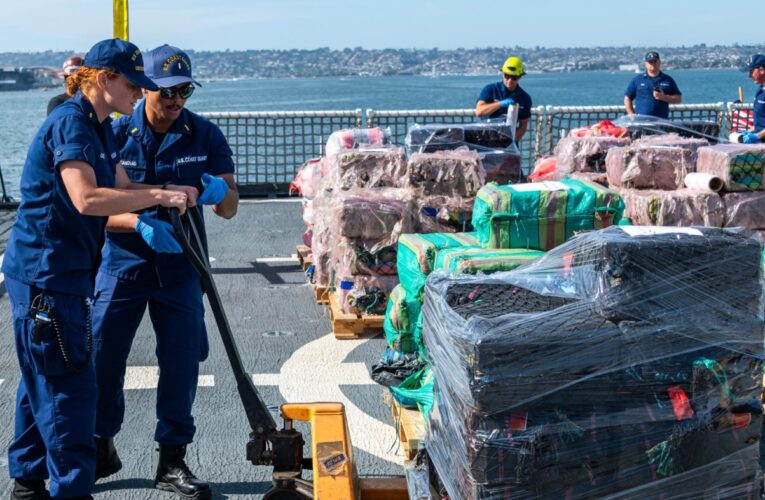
(352, 326)
(410, 427)
(304, 256)
(321, 294)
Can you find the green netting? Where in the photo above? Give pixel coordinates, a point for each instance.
(416, 390)
(542, 215)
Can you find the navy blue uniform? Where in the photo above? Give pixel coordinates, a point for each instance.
(759, 110)
(52, 253)
(132, 276)
(498, 92)
(640, 91)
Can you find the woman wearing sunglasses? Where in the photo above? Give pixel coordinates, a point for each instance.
(161, 143)
(71, 182)
(495, 98)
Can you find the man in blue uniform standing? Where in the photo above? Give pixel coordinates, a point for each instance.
(652, 92)
(496, 98)
(161, 143)
(756, 70)
(71, 182)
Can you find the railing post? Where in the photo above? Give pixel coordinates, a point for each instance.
(370, 118)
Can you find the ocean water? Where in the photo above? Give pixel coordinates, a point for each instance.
(23, 112)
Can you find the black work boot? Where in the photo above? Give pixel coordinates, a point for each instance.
(174, 475)
(107, 460)
(29, 490)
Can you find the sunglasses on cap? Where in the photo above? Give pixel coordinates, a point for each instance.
(510, 77)
(182, 92)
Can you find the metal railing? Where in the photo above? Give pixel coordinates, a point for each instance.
(269, 147)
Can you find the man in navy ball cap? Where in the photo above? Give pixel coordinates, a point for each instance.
(652, 92)
(164, 143)
(756, 70)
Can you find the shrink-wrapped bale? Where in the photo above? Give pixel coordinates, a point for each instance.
(365, 294)
(368, 167)
(745, 210)
(542, 215)
(373, 215)
(400, 323)
(544, 389)
(354, 138)
(585, 154)
(502, 167)
(471, 260)
(683, 207)
(672, 140)
(417, 256)
(740, 166)
(648, 166)
(443, 214)
(456, 173)
(477, 136)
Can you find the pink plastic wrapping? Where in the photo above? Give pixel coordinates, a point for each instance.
(745, 209)
(353, 138)
(740, 166)
(442, 214)
(364, 294)
(367, 167)
(308, 178)
(684, 207)
(455, 173)
(545, 169)
(673, 140)
(648, 166)
(585, 154)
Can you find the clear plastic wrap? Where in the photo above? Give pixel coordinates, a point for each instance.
(364, 294)
(442, 214)
(456, 173)
(683, 207)
(503, 167)
(745, 210)
(648, 166)
(641, 126)
(740, 166)
(367, 167)
(476, 136)
(585, 154)
(354, 138)
(626, 362)
(542, 215)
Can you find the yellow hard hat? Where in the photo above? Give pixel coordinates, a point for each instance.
(513, 66)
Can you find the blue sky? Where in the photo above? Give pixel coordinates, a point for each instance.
(35, 25)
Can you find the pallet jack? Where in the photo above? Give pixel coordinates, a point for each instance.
(334, 475)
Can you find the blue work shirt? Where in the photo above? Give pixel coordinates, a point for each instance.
(498, 92)
(640, 91)
(191, 147)
(52, 246)
(759, 110)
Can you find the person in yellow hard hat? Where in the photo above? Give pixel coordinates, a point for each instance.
(496, 98)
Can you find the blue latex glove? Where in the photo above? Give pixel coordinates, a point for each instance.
(215, 190)
(506, 103)
(157, 234)
(750, 138)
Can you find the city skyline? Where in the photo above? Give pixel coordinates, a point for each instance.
(40, 25)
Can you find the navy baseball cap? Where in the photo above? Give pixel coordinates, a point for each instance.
(756, 61)
(121, 57)
(168, 66)
(652, 56)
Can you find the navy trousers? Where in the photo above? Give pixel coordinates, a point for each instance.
(56, 400)
(177, 314)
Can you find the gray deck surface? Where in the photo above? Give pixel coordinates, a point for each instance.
(299, 361)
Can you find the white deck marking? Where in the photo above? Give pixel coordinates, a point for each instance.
(147, 377)
(264, 260)
(2, 277)
(315, 372)
(1, 381)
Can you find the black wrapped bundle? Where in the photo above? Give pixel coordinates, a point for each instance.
(544, 390)
(479, 136)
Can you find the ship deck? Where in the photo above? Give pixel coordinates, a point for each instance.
(285, 342)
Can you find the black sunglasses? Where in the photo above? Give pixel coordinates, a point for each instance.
(183, 92)
(510, 77)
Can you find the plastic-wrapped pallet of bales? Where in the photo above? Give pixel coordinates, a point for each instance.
(682, 207)
(585, 154)
(456, 173)
(740, 166)
(542, 215)
(626, 362)
(492, 140)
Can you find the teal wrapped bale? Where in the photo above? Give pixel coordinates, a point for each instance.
(484, 260)
(401, 320)
(542, 215)
(417, 256)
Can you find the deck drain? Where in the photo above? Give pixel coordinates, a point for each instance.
(277, 333)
